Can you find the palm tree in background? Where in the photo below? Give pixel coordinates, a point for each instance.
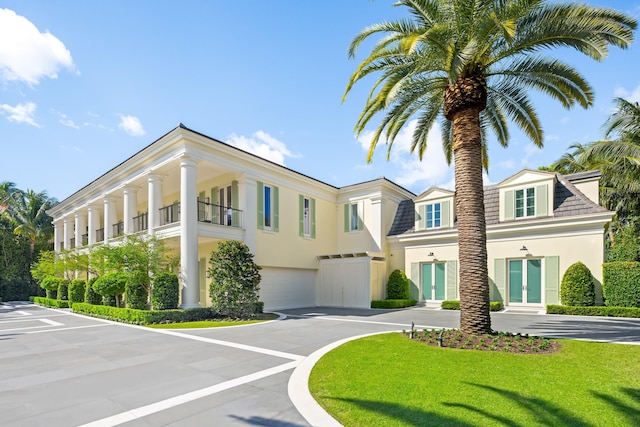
(472, 64)
(30, 218)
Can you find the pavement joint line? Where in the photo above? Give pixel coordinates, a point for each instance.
(238, 346)
(23, 319)
(51, 322)
(368, 321)
(67, 329)
(143, 411)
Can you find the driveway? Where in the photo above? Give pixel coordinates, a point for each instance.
(61, 369)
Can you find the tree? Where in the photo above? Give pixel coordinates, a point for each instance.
(234, 280)
(472, 64)
(31, 218)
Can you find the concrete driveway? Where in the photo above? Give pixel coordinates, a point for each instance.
(61, 369)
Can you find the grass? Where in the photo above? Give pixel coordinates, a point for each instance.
(212, 323)
(389, 380)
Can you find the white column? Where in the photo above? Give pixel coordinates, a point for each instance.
(248, 204)
(130, 208)
(94, 222)
(189, 234)
(155, 201)
(109, 218)
(66, 233)
(81, 226)
(376, 230)
(57, 234)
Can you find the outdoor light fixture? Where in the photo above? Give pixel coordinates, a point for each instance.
(524, 248)
(430, 254)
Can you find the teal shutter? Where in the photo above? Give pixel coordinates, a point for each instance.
(313, 218)
(509, 205)
(346, 217)
(552, 279)
(444, 213)
(542, 203)
(452, 279)
(500, 279)
(415, 279)
(201, 196)
(421, 223)
(276, 210)
(301, 215)
(260, 206)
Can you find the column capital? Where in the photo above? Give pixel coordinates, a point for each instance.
(187, 160)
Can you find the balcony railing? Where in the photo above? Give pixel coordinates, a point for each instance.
(219, 215)
(170, 214)
(72, 243)
(85, 239)
(118, 229)
(141, 222)
(100, 235)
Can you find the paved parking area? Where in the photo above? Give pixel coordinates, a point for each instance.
(61, 369)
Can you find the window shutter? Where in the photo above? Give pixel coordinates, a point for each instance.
(509, 205)
(552, 279)
(346, 217)
(214, 195)
(300, 215)
(260, 206)
(452, 279)
(542, 201)
(234, 194)
(214, 201)
(276, 210)
(361, 215)
(415, 279)
(500, 275)
(444, 213)
(313, 218)
(420, 220)
(201, 196)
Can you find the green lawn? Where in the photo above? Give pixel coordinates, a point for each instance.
(389, 380)
(211, 323)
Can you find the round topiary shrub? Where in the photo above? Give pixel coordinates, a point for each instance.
(91, 296)
(50, 285)
(111, 285)
(165, 292)
(577, 288)
(77, 290)
(63, 290)
(398, 285)
(136, 295)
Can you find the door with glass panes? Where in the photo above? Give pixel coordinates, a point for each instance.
(525, 281)
(433, 281)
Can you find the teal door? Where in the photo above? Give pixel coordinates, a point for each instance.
(433, 282)
(525, 281)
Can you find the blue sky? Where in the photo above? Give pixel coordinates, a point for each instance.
(84, 85)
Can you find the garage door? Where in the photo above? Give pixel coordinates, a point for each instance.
(287, 288)
(345, 282)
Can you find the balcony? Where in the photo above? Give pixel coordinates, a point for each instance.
(118, 229)
(170, 214)
(100, 235)
(85, 239)
(72, 243)
(219, 215)
(141, 222)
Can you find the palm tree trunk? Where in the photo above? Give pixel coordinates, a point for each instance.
(472, 233)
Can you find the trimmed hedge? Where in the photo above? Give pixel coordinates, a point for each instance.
(77, 291)
(136, 295)
(393, 303)
(165, 292)
(604, 311)
(91, 296)
(577, 288)
(50, 302)
(398, 286)
(63, 290)
(50, 285)
(144, 317)
(621, 284)
(454, 304)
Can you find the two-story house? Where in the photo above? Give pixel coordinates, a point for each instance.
(322, 245)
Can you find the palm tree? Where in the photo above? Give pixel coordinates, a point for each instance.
(31, 218)
(474, 62)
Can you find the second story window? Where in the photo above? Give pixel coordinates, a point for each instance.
(268, 207)
(353, 216)
(525, 202)
(433, 215)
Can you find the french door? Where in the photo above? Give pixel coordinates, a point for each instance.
(433, 281)
(525, 281)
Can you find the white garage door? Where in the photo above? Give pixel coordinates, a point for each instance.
(287, 288)
(345, 282)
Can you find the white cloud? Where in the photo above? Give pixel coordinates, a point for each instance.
(21, 113)
(263, 145)
(64, 120)
(631, 96)
(508, 164)
(433, 170)
(131, 125)
(26, 54)
(530, 150)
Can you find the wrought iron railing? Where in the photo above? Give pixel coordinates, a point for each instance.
(219, 215)
(72, 243)
(100, 235)
(85, 239)
(118, 229)
(141, 222)
(170, 214)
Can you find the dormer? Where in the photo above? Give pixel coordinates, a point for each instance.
(434, 209)
(527, 195)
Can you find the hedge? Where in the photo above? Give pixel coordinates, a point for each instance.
(50, 302)
(577, 287)
(621, 284)
(393, 303)
(165, 292)
(91, 296)
(398, 286)
(604, 311)
(144, 317)
(77, 290)
(453, 304)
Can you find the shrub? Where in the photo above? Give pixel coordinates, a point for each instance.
(144, 317)
(577, 288)
(111, 285)
(621, 284)
(50, 302)
(109, 300)
(165, 292)
(136, 294)
(626, 246)
(50, 285)
(77, 291)
(63, 290)
(91, 296)
(398, 285)
(393, 303)
(235, 280)
(594, 311)
(455, 305)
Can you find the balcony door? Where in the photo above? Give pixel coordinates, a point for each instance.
(225, 201)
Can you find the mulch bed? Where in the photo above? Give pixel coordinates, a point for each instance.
(503, 342)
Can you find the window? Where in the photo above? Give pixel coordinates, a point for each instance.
(433, 215)
(353, 213)
(306, 208)
(525, 202)
(307, 216)
(267, 207)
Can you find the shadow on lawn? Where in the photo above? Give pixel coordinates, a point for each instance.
(632, 414)
(408, 415)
